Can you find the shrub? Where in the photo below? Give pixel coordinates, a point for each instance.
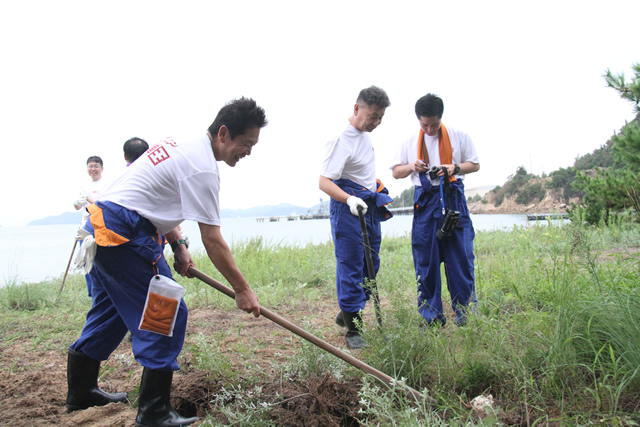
(530, 193)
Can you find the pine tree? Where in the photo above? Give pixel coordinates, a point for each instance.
(616, 188)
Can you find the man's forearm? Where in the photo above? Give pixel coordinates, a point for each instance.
(469, 167)
(173, 235)
(332, 190)
(401, 171)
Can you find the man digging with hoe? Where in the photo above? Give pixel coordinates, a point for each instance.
(175, 180)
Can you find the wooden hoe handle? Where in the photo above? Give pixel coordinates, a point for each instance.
(387, 380)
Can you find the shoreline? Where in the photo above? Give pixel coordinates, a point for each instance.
(523, 211)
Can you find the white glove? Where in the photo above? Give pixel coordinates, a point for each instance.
(354, 202)
(86, 255)
(81, 234)
(80, 202)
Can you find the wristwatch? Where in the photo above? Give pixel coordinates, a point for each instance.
(456, 170)
(176, 243)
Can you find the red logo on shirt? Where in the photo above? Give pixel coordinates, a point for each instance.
(171, 142)
(157, 154)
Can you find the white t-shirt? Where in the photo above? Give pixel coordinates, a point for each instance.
(462, 148)
(92, 190)
(172, 181)
(351, 156)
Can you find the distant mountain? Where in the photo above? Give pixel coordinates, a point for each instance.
(63, 218)
(282, 209)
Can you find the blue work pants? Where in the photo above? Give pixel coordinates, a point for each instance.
(455, 251)
(351, 267)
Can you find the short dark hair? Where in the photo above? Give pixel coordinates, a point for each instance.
(373, 95)
(429, 105)
(239, 116)
(95, 159)
(134, 147)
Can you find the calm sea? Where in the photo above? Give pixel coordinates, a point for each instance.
(35, 253)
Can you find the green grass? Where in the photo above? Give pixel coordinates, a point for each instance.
(555, 338)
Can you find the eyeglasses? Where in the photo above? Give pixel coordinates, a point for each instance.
(93, 166)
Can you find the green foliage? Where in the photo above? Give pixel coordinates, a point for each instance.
(563, 179)
(208, 356)
(616, 188)
(311, 360)
(530, 192)
(627, 147)
(45, 294)
(613, 190)
(384, 407)
(516, 181)
(554, 323)
(520, 186)
(555, 331)
(276, 271)
(609, 192)
(629, 91)
(600, 158)
(475, 198)
(404, 199)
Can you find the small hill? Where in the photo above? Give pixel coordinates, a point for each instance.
(63, 218)
(549, 200)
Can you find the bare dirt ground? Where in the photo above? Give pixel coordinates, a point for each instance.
(33, 388)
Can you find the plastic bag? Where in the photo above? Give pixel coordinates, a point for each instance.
(161, 307)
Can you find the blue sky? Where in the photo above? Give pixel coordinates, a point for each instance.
(524, 79)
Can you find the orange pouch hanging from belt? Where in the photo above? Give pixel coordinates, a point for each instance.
(161, 308)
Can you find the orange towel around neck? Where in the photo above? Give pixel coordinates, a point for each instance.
(444, 147)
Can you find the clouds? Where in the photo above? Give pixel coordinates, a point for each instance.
(80, 78)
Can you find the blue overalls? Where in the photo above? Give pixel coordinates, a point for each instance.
(124, 265)
(351, 268)
(455, 251)
(89, 279)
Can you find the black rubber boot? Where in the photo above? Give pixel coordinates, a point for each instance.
(154, 408)
(353, 321)
(340, 320)
(82, 379)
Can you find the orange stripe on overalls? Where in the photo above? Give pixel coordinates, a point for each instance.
(104, 237)
(379, 190)
(444, 147)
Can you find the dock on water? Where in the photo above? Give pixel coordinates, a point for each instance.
(544, 217)
(292, 217)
